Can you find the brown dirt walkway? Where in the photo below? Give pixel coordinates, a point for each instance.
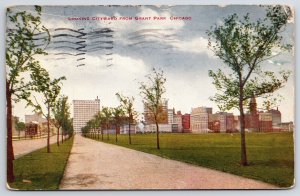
(100, 166)
(22, 147)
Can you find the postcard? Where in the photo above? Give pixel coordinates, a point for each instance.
(150, 97)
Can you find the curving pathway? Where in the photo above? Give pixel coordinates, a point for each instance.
(100, 166)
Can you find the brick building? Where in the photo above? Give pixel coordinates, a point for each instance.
(186, 123)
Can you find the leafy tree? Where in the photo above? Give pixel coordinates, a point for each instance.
(130, 113)
(85, 130)
(50, 90)
(99, 120)
(244, 46)
(152, 97)
(20, 52)
(106, 119)
(117, 118)
(67, 128)
(20, 126)
(90, 125)
(61, 112)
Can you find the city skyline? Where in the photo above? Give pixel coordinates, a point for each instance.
(184, 57)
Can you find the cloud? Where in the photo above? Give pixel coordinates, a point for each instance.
(130, 28)
(185, 61)
(195, 45)
(96, 79)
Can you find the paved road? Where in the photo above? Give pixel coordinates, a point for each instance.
(96, 165)
(22, 147)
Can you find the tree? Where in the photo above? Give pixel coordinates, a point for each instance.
(50, 90)
(130, 113)
(99, 120)
(20, 52)
(67, 128)
(85, 130)
(61, 114)
(117, 118)
(20, 126)
(152, 97)
(243, 46)
(106, 119)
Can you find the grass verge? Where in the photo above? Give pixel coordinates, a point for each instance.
(270, 155)
(40, 170)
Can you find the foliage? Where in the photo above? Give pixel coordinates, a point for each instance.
(153, 91)
(21, 49)
(61, 113)
(61, 110)
(67, 127)
(118, 114)
(50, 89)
(152, 97)
(106, 115)
(127, 107)
(85, 130)
(243, 45)
(129, 111)
(20, 126)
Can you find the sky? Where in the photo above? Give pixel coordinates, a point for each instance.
(118, 63)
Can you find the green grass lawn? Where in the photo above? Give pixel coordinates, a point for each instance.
(270, 155)
(40, 170)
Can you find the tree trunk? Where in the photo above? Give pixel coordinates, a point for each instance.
(62, 136)
(57, 136)
(10, 151)
(116, 133)
(101, 134)
(157, 135)
(244, 161)
(129, 132)
(48, 127)
(107, 132)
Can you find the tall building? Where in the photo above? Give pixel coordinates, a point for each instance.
(177, 122)
(186, 123)
(199, 119)
(163, 119)
(170, 116)
(84, 110)
(162, 113)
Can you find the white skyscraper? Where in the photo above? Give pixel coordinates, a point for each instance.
(84, 110)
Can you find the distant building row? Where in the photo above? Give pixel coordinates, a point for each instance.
(202, 120)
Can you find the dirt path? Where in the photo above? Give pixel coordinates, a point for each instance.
(96, 165)
(22, 147)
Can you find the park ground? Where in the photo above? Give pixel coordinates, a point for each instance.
(270, 155)
(39, 170)
(111, 167)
